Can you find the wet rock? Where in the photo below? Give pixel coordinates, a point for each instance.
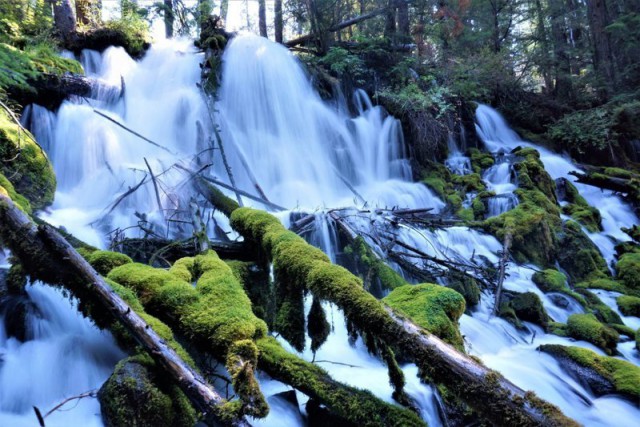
(17, 311)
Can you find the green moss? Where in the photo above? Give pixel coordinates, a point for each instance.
(435, 308)
(599, 309)
(528, 306)
(619, 173)
(579, 257)
(624, 376)
(480, 160)
(585, 215)
(136, 394)
(466, 214)
(373, 269)
(317, 325)
(628, 268)
(241, 362)
(465, 286)
(532, 175)
(105, 261)
(550, 280)
(7, 189)
(144, 280)
(532, 225)
(479, 208)
(358, 406)
(559, 329)
(25, 164)
(468, 183)
(572, 195)
(587, 327)
(623, 330)
(629, 305)
(130, 32)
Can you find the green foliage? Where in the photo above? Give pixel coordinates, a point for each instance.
(624, 376)
(433, 307)
(583, 130)
(343, 63)
(587, 327)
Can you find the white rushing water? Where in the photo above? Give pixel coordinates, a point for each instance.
(307, 155)
(62, 355)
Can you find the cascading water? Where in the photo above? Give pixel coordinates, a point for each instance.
(499, 179)
(307, 156)
(457, 162)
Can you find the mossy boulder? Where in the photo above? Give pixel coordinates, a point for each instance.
(579, 256)
(612, 375)
(433, 307)
(532, 175)
(25, 164)
(586, 215)
(629, 305)
(550, 280)
(587, 327)
(480, 160)
(525, 306)
(466, 286)
(628, 268)
(377, 276)
(136, 395)
(105, 261)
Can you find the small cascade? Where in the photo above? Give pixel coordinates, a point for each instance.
(457, 162)
(49, 352)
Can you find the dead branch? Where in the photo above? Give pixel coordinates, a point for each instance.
(506, 247)
(112, 120)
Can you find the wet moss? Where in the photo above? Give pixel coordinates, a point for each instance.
(585, 215)
(579, 257)
(7, 189)
(628, 268)
(129, 33)
(550, 280)
(587, 327)
(360, 407)
(318, 326)
(599, 309)
(257, 284)
(629, 305)
(25, 164)
(624, 376)
(373, 270)
(435, 308)
(528, 306)
(480, 160)
(532, 175)
(465, 286)
(136, 394)
(469, 183)
(105, 261)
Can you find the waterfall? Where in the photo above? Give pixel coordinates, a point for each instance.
(309, 156)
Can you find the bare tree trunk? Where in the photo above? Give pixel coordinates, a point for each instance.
(599, 19)
(169, 18)
(262, 17)
(278, 24)
(64, 17)
(403, 19)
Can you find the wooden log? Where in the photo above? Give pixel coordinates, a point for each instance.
(502, 267)
(47, 255)
(65, 85)
(494, 397)
(606, 182)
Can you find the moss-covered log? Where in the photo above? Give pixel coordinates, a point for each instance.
(216, 314)
(47, 255)
(494, 397)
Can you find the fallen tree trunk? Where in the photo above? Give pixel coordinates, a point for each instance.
(337, 27)
(48, 256)
(60, 87)
(620, 185)
(487, 392)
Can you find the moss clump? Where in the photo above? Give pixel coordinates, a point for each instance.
(532, 175)
(374, 272)
(526, 306)
(629, 305)
(135, 394)
(585, 215)
(105, 261)
(435, 308)
(599, 309)
(628, 268)
(624, 376)
(532, 225)
(480, 160)
(587, 327)
(468, 183)
(579, 257)
(479, 208)
(7, 189)
(144, 280)
(318, 326)
(550, 280)
(25, 164)
(465, 286)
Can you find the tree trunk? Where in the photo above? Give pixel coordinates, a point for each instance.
(64, 17)
(390, 20)
(88, 12)
(599, 19)
(403, 20)
(204, 10)
(278, 23)
(562, 65)
(169, 18)
(48, 256)
(262, 18)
